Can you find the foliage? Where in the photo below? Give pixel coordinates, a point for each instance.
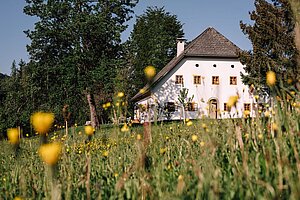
(272, 37)
(74, 52)
(207, 159)
(152, 42)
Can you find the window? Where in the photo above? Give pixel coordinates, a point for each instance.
(233, 80)
(226, 107)
(246, 106)
(215, 80)
(197, 79)
(191, 107)
(179, 79)
(170, 107)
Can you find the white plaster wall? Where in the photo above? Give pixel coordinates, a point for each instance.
(167, 91)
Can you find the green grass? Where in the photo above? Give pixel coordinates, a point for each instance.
(231, 159)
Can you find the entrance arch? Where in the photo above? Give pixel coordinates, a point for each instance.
(213, 108)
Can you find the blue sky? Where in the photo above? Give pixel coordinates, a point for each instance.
(196, 15)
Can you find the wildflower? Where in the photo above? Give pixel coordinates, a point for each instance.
(189, 123)
(116, 175)
(138, 137)
(271, 78)
(89, 130)
(42, 122)
(142, 91)
(267, 114)
(274, 127)
(204, 126)
(108, 104)
(232, 101)
(120, 94)
(105, 153)
(202, 144)
(194, 138)
(150, 72)
(125, 128)
(180, 184)
(260, 136)
(162, 150)
(246, 113)
(117, 104)
(256, 97)
(13, 135)
(247, 135)
(17, 198)
(50, 153)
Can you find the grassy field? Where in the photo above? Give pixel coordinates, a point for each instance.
(205, 159)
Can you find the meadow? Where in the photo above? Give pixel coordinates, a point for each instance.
(249, 158)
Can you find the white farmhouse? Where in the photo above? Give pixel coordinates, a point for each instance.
(209, 68)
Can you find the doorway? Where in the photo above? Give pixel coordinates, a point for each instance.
(213, 109)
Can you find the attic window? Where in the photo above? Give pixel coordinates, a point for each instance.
(232, 66)
(179, 79)
(197, 65)
(214, 65)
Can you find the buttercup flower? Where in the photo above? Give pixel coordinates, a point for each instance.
(13, 136)
(42, 122)
(120, 94)
(89, 130)
(50, 153)
(150, 72)
(194, 138)
(271, 78)
(232, 101)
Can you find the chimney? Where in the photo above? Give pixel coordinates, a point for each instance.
(180, 45)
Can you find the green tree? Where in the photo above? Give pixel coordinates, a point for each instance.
(272, 37)
(74, 50)
(152, 42)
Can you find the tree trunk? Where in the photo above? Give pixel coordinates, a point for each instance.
(295, 5)
(92, 105)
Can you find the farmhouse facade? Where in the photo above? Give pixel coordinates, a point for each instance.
(208, 72)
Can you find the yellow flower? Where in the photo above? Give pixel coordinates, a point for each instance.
(142, 91)
(260, 136)
(138, 137)
(13, 135)
(50, 153)
(117, 104)
(162, 150)
(17, 198)
(271, 78)
(232, 101)
(89, 130)
(180, 177)
(105, 153)
(120, 94)
(125, 128)
(204, 126)
(202, 144)
(189, 123)
(42, 122)
(267, 114)
(150, 72)
(108, 104)
(274, 127)
(194, 138)
(246, 113)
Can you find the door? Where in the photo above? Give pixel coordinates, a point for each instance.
(213, 107)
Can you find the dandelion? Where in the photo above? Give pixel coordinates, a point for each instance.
(162, 150)
(260, 136)
(108, 104)
(232, 101)
(120, 94)
(50, 153)
(89, 130)
(271, 78)
(189, 123)
(194, 138)
(267, 113)
(138, 137)
(246, 113)
(204, 126)
(117, 104)
(17, 198)
(202, 144)
(274, 127)
(105, 153)
(42, 122)
(13, 135)
(150, 72)
(125, 128)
